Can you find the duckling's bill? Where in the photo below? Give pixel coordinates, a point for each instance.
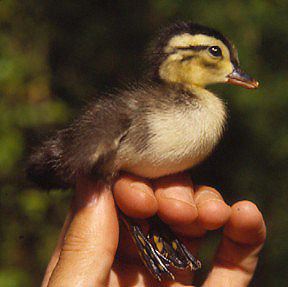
(240, 78)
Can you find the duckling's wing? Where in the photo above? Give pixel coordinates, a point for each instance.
(87, 147)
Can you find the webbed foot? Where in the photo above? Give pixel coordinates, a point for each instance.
(160, 249)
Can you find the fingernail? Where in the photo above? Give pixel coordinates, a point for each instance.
(183, 194)
(140, 187)
(206, 195)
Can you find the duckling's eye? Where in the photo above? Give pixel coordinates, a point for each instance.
(215, 51)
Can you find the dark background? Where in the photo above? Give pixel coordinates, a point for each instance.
(55, 55)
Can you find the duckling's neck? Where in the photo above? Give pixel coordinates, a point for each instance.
(209, 100)
(202, 95)
(198, 91)
(211, 109)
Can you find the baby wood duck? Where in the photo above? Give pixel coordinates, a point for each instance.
(166, 124)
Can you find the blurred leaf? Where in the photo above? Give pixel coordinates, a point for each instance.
(14, 278)
(33, 204)
(11, 148)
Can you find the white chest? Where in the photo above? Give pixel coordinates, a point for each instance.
(181, 138)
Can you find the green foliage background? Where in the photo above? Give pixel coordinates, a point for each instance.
(55, 55)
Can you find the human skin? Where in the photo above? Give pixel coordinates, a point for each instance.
(86, 249)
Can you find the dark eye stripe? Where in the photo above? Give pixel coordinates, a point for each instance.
(193, 48)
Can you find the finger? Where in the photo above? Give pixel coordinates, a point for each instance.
(56, 253)
(213, 212)
(135, 196)
(176, 204)
(246, 225)
(91, 240)
(237, 256)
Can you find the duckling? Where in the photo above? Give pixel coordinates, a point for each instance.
(165, 124)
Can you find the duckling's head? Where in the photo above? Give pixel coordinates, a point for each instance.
(195, 55)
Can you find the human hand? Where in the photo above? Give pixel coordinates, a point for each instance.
(85, 253)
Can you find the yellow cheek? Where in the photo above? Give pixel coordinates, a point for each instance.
(227, 67)
(170, 71)
(193, 73)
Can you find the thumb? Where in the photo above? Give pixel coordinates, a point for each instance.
(91, 240)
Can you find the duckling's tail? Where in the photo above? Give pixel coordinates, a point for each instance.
(45, 168)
